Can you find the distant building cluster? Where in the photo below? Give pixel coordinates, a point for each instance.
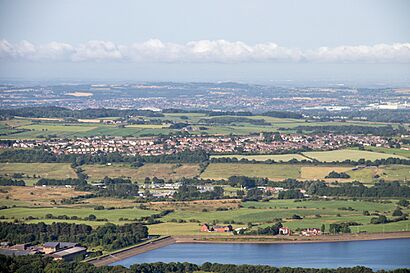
(215, 144)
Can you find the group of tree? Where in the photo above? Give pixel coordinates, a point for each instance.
(108, 236)
(42, 264)
(60, 112)
(356, 189)
(353, 129)
(11, 182)
(230, 120)
(334, 174)
(189, 192)
(42, 156)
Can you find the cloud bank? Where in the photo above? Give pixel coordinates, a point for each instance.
(203, 51)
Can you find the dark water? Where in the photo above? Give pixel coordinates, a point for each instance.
(380, 254)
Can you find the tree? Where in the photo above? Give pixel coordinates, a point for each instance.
(323, 228)
(397, 212)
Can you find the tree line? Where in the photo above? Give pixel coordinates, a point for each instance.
(61, 112)
(42, 264)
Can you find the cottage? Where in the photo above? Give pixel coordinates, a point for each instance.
(284, 231)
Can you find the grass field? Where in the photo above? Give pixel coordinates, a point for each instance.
(278, 158)
(41, 170)
(164, 171)
(354, 155)
(112, 215)
(320, 172)
(392, 151)
(271, 171)
(35, 196)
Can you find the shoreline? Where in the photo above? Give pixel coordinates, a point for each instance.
(244, 239)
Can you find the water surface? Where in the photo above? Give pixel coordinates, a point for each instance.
(379, 254)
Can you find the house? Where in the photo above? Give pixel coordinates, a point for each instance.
(284, 231)
(311, 232)
(69, 254)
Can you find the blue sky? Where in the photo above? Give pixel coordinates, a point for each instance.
(182, 40)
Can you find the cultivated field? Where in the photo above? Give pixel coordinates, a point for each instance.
(164, 171)
(271, 171)
(277, 158)
(40, 170)
(342, 155)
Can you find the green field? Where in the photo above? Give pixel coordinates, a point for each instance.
(112, 215)
(42, 128)
(163, 171)
(342, 155)
(40, 170)
(392, 151)
(278, 158)
(271, 171)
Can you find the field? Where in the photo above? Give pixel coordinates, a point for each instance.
(164, 171)
(342, 155)
(35, 196)
(40, 170)
(367, 175)
(42, 128)
(278, 158)
(40, 213)
(187, 216)
(391, 151)
(271, 171)
(316, 172)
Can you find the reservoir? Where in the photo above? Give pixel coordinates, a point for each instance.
(377, 254)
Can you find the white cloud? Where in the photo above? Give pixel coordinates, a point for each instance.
(204, 51)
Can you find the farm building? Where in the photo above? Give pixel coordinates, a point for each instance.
(51, 247)
(311, 232)
(69, 254)
(208, 228)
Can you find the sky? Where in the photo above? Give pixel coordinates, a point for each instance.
(365, 41)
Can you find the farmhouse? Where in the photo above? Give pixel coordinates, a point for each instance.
(208, 228)
(311, 232)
